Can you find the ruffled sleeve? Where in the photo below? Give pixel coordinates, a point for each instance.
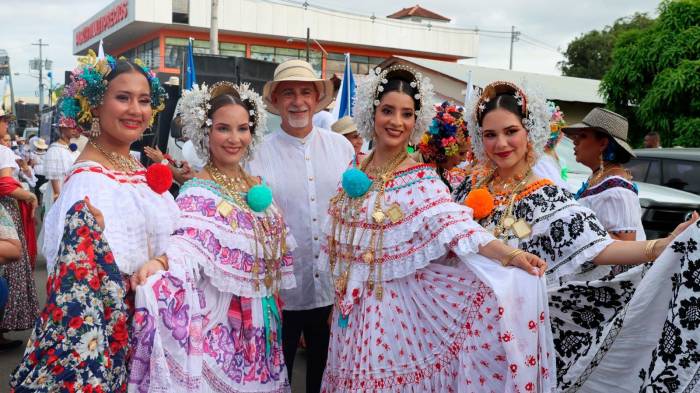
(431, 225)
(224, 249)
(617, 208)
(7, 158)
(138, 221)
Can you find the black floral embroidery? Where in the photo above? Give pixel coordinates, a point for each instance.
(674, 361)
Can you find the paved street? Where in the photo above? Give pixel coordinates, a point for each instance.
(9, 359)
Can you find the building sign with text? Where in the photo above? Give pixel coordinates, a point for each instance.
(103, 23)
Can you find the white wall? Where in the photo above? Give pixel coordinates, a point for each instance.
(264, 17)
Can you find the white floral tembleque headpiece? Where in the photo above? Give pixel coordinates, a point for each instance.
(367, 100)
(195, 104)
(535, 111)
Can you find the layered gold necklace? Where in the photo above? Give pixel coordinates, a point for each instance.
(347, 216)
(118, 161)
(269, 231)
(501, 188)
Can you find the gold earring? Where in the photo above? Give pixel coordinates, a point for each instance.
(602, 163)
(95, 128)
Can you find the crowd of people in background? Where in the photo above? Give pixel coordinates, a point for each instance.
(414, 246)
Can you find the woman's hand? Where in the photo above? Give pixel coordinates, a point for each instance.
(95, 213)
(147, 270)
(32, 201)
(154, 154)
(684, 225)
(529, 262)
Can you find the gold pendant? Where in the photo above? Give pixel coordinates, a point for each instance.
(256, 268)
(378, 216)
(395, 213)
(379, 293)
(257, 285)
(234, 224)
(268, 281)
(508, 222)
(368, 257)
(224, 208)
(341, 282)
(521, 229)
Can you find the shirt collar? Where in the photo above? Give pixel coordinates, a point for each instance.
(298, 141)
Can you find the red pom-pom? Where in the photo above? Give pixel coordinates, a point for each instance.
(159, 178)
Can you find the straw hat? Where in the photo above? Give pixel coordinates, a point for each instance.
(606, 121)
(344, 125)
(7, 115)
(173, 81)
(40, 143)
(298, 71)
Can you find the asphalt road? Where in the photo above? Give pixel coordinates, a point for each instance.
(9, 359)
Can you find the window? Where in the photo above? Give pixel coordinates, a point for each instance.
(199, 46)
(682, 175)
(231, 49)
(358, 64)
(262, 52)
(175, 50)
(638, 167)
(181, 11)
(654, 174)
(149, 53)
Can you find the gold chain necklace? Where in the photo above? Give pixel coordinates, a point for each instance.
(348, 211)
(269, 232)
(118, 161)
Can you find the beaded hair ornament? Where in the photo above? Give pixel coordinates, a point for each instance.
(89, 83)
(533, 108)
(446, 132)
(194, 108)
(372, 86)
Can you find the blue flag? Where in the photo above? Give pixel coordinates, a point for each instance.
(190, 75)
(346, 94)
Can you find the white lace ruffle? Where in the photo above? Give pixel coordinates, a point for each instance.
(138, 221)
(432, 226)
(617, 208)
(205, 240)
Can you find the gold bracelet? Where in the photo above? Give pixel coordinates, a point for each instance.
(163, 261)
(510, 256)
(649, 249)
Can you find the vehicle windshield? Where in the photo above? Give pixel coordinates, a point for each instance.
(565, 151)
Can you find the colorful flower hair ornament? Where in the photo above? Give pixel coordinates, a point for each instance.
(447, 131)
(194, 108)
(89, 84)
(556, 123)
(68, 110)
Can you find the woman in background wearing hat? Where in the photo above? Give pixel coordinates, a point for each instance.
(600, 143)
(59, 159)
(346, 127)
(22, 306)
(606, 330)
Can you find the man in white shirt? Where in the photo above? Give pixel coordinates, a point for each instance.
(303, 165)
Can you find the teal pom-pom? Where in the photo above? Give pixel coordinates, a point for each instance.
(343, 321)
(259, 198)
(355, 182)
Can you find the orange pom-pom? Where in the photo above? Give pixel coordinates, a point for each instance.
(481, 202)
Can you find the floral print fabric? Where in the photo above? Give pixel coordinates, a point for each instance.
(80, 341)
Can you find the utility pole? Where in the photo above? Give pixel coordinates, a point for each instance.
(214, 28)
(41, 73)
(308, 44)
(513, 37)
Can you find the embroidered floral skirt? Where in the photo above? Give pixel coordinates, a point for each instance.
(439, 330)
(80, 340)
(22, 305)
(192, 337)
(635, 332)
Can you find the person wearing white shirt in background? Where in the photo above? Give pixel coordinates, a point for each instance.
(303, 165)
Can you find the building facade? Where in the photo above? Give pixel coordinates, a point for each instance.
(157, 31)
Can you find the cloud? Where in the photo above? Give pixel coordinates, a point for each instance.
(552, 24)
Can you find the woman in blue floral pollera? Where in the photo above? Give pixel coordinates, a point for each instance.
(80, 341)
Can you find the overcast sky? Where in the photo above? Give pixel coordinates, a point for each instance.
(547, 25)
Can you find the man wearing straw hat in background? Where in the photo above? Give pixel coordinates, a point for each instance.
(303, 165)
(346, 127)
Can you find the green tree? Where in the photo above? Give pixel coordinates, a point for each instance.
(654, 79)
(590, 55)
